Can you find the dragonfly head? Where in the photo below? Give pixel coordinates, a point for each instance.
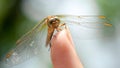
(53, 21)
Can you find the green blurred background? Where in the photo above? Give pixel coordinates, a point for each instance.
(14, 22)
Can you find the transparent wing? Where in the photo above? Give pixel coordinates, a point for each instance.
(87, 27)
(28, 46)
(92, 21)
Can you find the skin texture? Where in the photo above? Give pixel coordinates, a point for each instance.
(63, 53)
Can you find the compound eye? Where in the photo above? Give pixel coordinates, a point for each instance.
(53, 21)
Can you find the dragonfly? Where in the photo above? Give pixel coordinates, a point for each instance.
(30, 44)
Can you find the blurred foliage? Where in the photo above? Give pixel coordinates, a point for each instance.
(110, 8)
(11, 19)
(7, 9)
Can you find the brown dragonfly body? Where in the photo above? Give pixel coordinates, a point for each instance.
(53, 23)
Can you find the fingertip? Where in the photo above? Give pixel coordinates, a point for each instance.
(63, 54)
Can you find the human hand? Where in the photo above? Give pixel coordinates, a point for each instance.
(63, 53)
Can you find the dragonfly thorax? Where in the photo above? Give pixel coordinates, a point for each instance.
(53, 22)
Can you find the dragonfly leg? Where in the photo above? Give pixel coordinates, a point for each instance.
(62, 24)
(49, 47)
(60, 28)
